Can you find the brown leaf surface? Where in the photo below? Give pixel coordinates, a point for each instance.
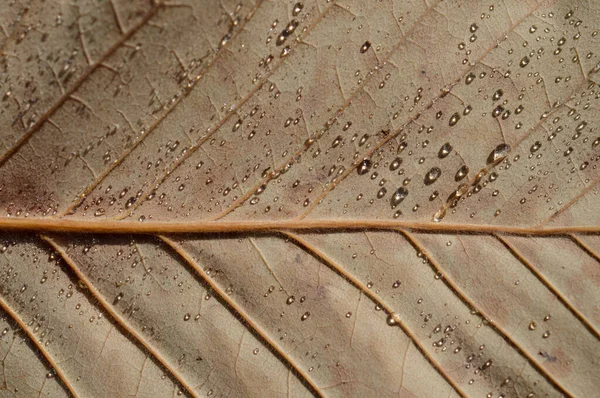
(265, 198)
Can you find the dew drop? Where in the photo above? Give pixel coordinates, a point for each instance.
(395, 164)
(497, 95)
(439, 215)
(297, 8)
(461, 173)
(498, 154)
(445, 150)
(391, 321)
(285, 51)
(454, 119)
(535, 147)
(364, 167)
(398, 196)
(432, 175)
(366, 45)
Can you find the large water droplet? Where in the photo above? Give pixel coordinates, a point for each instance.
(398, 196)
(439, 215)
(364, 167)
(454, 119)
(395, 164)
(297, 8)
(445, 150)
(462, 172)
(499, 153)
(432, 175)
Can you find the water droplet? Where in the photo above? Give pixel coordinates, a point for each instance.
(524, 62)
(461, 173)
(364, 167)
(118, 298)
(366, 45)
(285, 51)
(297, 8)
(439, 215)
(395, 164)
(445, 150)
(391, 321)
(432, 175)
(398, 196)
(497, 95)
(498, 154)
(305, 316)
(535, 147)
(454, 119)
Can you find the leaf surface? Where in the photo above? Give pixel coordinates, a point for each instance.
(317, 198)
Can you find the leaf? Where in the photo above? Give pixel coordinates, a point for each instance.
(317, 198)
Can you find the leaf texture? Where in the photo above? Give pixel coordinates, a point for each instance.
(318, 198)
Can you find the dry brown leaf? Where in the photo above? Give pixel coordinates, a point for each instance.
(265, 198)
